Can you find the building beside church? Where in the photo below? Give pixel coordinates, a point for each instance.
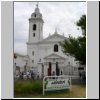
(44, 56)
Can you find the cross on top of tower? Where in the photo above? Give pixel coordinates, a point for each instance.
(37, 9)
(56, 30)
(37, 5)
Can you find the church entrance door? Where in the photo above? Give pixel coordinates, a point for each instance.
(49, 69)
(57, 69)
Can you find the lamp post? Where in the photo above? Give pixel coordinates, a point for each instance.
(69, 68)
(42, 70)
(25, 66)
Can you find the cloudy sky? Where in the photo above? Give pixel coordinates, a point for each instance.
(60, 15)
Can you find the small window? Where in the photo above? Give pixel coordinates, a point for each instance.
(15, 56)
(33, 53)
(69, 63)
(55, 48)
(33, 34)
(32, 61)
(34, 27)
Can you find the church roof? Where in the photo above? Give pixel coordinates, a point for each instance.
(54, 36)
(21, 55)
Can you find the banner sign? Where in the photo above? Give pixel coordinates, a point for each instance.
(56, 83)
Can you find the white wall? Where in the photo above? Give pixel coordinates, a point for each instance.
(45, 49)
(20, 62)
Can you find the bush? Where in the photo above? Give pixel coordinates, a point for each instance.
(27, 87)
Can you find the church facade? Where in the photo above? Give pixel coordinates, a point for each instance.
(45, 56)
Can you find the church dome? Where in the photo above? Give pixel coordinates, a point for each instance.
(37, 10)
(36, 13)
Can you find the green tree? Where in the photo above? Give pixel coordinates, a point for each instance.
(82, 23)
(76, 47)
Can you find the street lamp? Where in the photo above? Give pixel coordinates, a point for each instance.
(25, 66)
(42, 70)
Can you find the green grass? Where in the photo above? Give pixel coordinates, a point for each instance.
(33, 89)
(27, 87)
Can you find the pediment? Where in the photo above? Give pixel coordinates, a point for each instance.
(54, 38)
(54, 56)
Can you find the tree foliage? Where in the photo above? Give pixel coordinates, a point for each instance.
(76, 47)
(82, 23)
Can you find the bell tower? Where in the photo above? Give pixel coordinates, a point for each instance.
(35, 26)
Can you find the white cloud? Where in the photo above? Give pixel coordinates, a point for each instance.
(62, 15)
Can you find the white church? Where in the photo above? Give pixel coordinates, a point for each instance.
(44, 55)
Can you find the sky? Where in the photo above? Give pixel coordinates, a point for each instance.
(60, 15)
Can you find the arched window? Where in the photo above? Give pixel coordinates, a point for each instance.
(69, 62)
(34, 15)
(32, 61)
(55, 48)
(33, 53)
(34, 26)
(33, 34)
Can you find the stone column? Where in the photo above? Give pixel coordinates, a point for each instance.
(46, 69)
